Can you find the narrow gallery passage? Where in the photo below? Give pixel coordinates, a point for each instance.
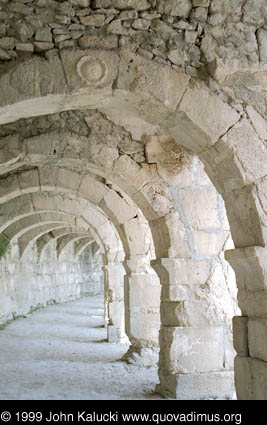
(61, 352)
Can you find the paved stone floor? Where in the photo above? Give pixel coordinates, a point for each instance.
(61, 352)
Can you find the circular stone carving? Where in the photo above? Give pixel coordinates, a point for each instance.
(92, 70)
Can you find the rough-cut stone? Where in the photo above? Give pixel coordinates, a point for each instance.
(262, 41)
(258, 122)
(81, 3)
(131, 4)
(175, 7)
(128, 14)
(97, 41)
(89, 68)
(177, 57)
(165, 84)
(257, 339)
(202, 3)
(4, 55)
(115, 27)
(41, 46)
(44, 35)
(7, 43)
(25, 47)
(141, 24)
(222, 119)
(101, 3)
(93, 20)
(240, 335)
(196, 386)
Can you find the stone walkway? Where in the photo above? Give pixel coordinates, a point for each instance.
(61, 352)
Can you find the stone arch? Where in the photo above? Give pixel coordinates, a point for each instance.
(80, 246)
(209, 128)
(20, 226)
(31, 236)
(47, 238)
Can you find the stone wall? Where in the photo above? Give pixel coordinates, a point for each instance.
(26, 284)
(184, 33)
(90, 270)
(209, 39)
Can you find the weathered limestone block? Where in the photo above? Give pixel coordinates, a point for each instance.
(138, 236)
(169, 157)
(175, 7)
(43, 77)
(116, 316)
(25, 47)
(251, 376)
(131, 4)
(116, 27)
(197, 125)
(181, 271)
(29, 181)
(93, 20)
(196, 293)
(113, 335)
(258, 122)
(158, 196)
(207, 243)
(262, 42)
(262, 195)
(68, 180)
(259, 380)
(101, 3)
(98, 41)
(179, 244)
(250, 266)
(92, 69)
(4, 55)
(252, 304)
(48, 177)
(44, 34)
(7, 43)
(257, 341)
(244, 378)
(142, 314)
(138, 74)
(9, 188)
(118, 206)
(249, 151)
(240, 335)
(81, 3)
(245, 217)
(201, 208)
(202, 3)
(197, 386)
(114, 301)
(10, 150)
(92, 190)
(192, 350)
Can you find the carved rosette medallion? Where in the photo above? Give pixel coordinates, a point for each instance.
(92, 70)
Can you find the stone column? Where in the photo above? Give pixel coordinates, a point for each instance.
(142, 312)
(196, 358)
(114, 301)
(250, 330)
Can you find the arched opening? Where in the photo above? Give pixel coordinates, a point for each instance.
(210, 129)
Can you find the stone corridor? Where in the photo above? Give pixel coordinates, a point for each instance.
(61, 353)
(133, 152)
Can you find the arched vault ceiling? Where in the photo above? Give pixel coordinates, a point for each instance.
(102, 201)
(49, 202)
(35, 220)
(147, 100)
(31, 236)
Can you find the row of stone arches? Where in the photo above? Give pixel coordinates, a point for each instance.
(132, 208)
